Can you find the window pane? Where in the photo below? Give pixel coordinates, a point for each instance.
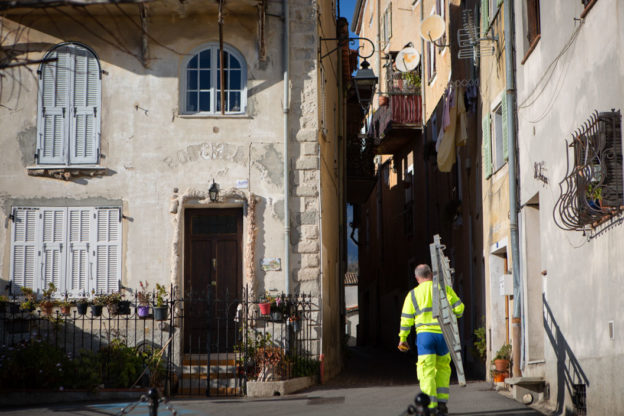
(235, 80)
(235, 101)
(226, 75)
(191, 101)
(204, 80)
(204, 59)
(234, 64)
(218, 224)
(191, 77)
(193, 62)
(226, 58)
(218, 100)
(204, 101)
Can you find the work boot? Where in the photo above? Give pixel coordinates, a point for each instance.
(442, 409)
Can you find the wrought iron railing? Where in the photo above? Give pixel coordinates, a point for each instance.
(229, 343)
(593, 192)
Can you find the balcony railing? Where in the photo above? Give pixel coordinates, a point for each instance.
(216, 355)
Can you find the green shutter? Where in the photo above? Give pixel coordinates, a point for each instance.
(485, 16)
(486, 147)
(505, 135)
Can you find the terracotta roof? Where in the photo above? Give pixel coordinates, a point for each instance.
(351, 278)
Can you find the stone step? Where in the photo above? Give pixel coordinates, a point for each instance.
(221, 391)
(199, 384)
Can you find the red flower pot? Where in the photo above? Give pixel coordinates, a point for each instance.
(265, 308)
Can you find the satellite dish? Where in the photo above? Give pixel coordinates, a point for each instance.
(432, 28)
(407, 59)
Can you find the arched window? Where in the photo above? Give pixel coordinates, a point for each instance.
(69, 107)
(201, 81)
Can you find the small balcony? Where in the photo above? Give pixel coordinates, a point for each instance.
(399, 115)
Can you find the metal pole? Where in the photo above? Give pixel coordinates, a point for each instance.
(513, 203)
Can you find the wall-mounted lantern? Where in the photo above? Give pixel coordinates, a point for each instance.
(213, 192)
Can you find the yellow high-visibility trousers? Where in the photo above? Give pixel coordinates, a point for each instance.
(434, 376)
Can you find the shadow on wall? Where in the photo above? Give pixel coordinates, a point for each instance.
(570, 375)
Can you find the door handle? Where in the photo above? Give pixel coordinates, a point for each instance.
(214, 264)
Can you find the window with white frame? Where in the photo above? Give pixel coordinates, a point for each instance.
(201, 81)
(386, 29)
(69, 109)
(76, 248)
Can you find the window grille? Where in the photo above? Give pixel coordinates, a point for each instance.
(593, 190)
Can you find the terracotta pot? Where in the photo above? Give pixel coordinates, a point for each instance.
(501, 365)
(66, 310)
(383, 100)
(499, 377)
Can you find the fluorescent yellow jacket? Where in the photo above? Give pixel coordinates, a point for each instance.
(417, 310)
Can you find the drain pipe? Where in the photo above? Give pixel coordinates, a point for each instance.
(510, 81)
(286, 64)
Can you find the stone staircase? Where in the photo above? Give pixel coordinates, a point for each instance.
(218, 374)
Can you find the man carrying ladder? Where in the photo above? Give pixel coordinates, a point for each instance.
(433, 368)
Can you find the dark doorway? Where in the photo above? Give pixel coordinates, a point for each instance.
(212, 278)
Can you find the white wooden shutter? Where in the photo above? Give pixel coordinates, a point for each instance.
(85, 132)
(107, 250)
(53, 237)
(80, 230)
(24, 247)
(53, 108)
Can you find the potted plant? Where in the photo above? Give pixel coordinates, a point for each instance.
(98, 303)
(81, 305)
(265, 304)
(594, 196)
(160, 304)
(502, 358)
(143, 299)
(278, 308)
(4, 302)
(30, 300)
(116, 304)
(295, 320)
(65, 305)
(47, 303)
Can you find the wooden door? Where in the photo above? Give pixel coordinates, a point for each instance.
(212, 278)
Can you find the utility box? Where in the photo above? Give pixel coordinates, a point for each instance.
(506, 285)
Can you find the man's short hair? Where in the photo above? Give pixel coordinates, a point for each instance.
(423, 271)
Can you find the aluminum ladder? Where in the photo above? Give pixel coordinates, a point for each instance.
(441, 308)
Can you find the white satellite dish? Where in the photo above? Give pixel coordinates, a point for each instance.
(407, 59)
(432, 28)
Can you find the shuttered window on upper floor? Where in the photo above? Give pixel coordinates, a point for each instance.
(76, 248)
(69, 107)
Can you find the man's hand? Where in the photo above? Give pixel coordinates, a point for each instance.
(403, 346)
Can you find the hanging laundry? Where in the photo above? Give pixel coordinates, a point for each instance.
(461, 134)
(446, 150)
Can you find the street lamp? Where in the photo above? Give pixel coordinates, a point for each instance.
(364, 82)
(213, 192)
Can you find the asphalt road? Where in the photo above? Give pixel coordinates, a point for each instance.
(476, 398)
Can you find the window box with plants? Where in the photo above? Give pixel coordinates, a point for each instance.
(161, 306)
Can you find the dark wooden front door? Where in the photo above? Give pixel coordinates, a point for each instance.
(212, 278)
